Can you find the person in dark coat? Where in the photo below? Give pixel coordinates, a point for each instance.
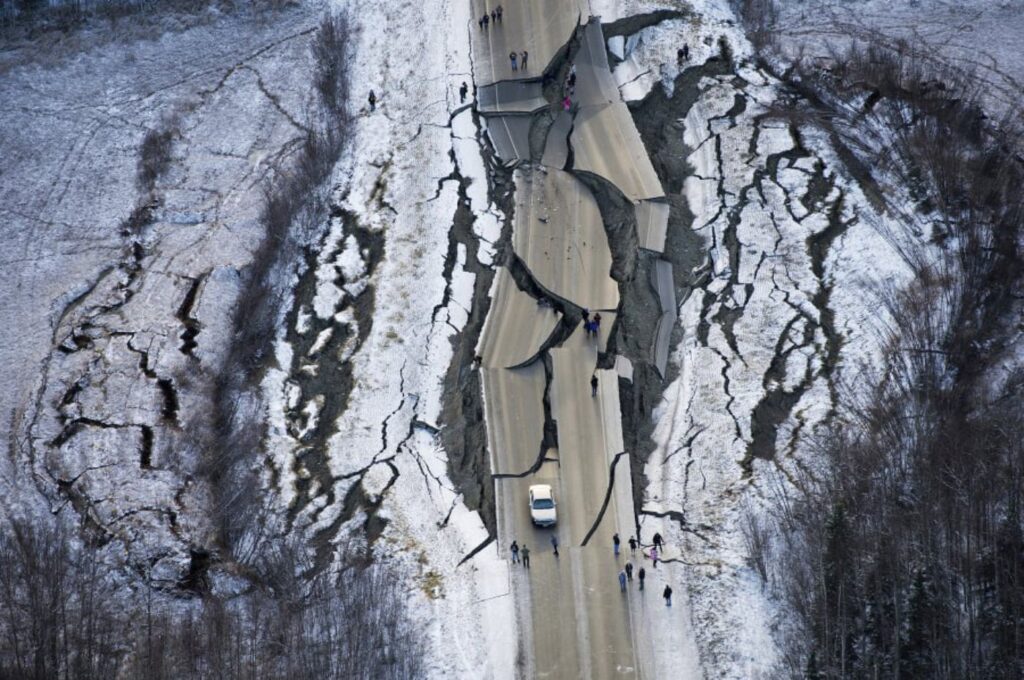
(615, 544)
(667, 594)
(373, 100)
(515, 552)
(526, 556)
(641, 575)
(463, 91)
(632, 545)
(593, 385)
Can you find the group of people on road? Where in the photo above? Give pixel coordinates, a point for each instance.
(524, 552)
(521, 555)
(519, 60)
(493, 18)
(626, 573)
(523, 57)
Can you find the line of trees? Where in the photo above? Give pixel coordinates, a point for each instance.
(905, 558)
(66, 14)
(65, 614)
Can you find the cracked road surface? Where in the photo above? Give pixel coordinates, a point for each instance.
(544, 425)
(560, 237)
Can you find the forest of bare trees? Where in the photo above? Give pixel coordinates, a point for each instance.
(65, 614)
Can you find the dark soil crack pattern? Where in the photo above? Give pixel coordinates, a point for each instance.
(463, 433)
(680, 519)
(188, 321)
(321, 370)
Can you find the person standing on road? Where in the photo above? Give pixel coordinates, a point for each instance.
(463, 91)
(526, 557)
(657, 541)
(615, 544)
(641, 575)
(622, 581)
(499, 11)
(593, 385)
(554, 543)
(481, 22)
(494, 17)
(597, 323)
(373, 100)
(522, 59)
(629, 570)
(667, 594)
(512, 58)
(632, 545)
(515, 552)
(486, 20)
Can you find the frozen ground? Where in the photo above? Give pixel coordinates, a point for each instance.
(96, 351)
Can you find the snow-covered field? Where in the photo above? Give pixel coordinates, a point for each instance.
(96, 360)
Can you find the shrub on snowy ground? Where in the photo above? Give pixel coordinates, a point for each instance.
(155, 152)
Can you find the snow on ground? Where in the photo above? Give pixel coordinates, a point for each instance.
(758, 327)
